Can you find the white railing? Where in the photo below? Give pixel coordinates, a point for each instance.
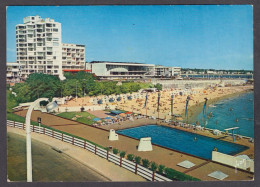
(122, 162)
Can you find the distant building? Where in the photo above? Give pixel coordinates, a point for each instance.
(73, 57)
(175, 71)
(12, 72)
(162, 71)
(121, 70)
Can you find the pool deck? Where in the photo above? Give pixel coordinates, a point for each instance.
(160, 155)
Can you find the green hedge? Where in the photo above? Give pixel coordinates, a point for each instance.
(176, 175)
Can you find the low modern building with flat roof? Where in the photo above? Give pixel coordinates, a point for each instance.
(162, 71)
(121, 70)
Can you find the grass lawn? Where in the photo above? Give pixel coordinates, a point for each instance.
(85, 118)
(14, 117)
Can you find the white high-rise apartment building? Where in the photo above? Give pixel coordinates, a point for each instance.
(39, 48)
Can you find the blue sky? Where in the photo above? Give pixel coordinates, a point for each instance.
(188, 36)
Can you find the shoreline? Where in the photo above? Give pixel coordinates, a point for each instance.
(198, 109)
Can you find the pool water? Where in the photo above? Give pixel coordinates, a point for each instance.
(186, 142)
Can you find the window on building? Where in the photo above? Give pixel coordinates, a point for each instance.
(55, 44)
(55, 39)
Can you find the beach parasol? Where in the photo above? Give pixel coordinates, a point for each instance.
(111, 100)
(122, 114)
(108, 117)
(96, 119)
(128, 113)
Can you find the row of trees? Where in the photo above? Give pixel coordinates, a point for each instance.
(161, 169)
(80, 84)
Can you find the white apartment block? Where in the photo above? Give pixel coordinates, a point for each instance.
(40, 49)
(73, 57)
(12, 72)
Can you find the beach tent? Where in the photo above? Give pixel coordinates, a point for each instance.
(96, 119)
(100, 101)
(129, 97)
(118, 99)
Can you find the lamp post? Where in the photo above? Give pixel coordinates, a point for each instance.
(28, 137)
(28, 134)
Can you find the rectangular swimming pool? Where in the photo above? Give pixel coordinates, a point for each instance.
(186, 142)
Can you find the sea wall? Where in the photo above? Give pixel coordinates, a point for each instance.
(233, 161)
(182, 84)
(86, 108)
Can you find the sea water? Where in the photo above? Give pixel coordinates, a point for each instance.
(48, 165)
(237, 111)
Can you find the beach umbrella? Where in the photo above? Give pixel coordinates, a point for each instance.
(122, 114)
(96, 119)
(108, 117)
(128, 113)
(111, 100)
(129, 97)
(118, 99)
(100, 101)
(116, 112)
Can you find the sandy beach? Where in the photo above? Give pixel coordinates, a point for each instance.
(197, 99)
(179, 102)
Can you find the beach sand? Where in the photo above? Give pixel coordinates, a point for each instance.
(179, 102)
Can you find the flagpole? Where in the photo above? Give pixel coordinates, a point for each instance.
(159, 95)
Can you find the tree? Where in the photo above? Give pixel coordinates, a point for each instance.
(158, 86)
(130, 157)
(70, 87)
(161, 169)
(122, 154)
(138, 159)
(146, 163)
(23, 92)
(43, 85)
(154, 166)
(115, 151)
(11, 101)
